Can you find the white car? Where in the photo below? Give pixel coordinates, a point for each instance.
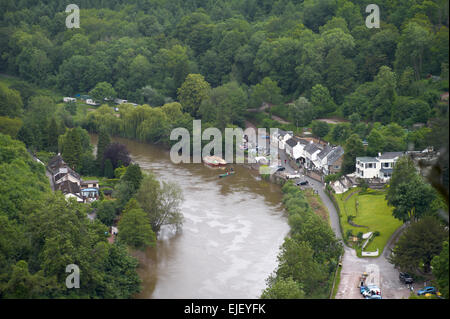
(371, 290)
(292, 176)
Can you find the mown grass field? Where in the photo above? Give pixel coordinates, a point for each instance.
(369, 209)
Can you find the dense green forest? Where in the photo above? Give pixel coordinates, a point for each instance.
(39, 231)
(211, 60)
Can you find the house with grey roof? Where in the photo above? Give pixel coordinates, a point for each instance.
(334, 161)
(289, 146)
(311, 152)
(380, 167)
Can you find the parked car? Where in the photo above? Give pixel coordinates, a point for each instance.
(427, 290)
(371, 290)
(301, 183)
(405, 278)
(362, 289)
(280, 168)
(292, 176)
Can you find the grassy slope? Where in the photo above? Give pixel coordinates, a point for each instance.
(373, 212)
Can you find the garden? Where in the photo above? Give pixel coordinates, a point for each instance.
(363, 211)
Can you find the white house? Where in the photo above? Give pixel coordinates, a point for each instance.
(289, 145)
(320, 161)
(387, 162)
(298, 151)
(283, 137)
(380, 167)
(311, 152)
(367, 167)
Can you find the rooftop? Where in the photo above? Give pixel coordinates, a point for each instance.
(335, 154)
(326, 150)
(390, 155)
(291, 142)
(366, 159)
(311, 148)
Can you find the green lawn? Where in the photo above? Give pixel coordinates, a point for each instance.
(370, 209)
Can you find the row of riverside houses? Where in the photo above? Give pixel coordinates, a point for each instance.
(70, 183)
(318, 160)
(313, 157)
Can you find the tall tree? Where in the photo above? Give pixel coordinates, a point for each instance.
(322, 101)
(72, 149)
(10, 102)
(353, 148)
(135, 229)
(118, 154)
(193, 91)
(320, 129)
(53, 133)
(101, 91)
(266, 92)
(301, 112)
(419, 244)
(161, 202)
(133, 175)
(441, 270)
(103, 142)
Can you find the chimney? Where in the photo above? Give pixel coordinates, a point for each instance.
(379, 154)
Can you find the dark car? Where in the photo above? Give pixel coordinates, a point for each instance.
(302, 183)
(280, 168)
(405, 278)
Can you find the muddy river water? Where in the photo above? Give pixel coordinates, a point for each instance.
(233, 228)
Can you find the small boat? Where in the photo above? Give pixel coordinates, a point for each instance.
(226, 174)
(214, 161)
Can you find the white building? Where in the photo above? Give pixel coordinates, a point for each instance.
(367, 167)
(282, 137)
(91, 102)
(380, 167)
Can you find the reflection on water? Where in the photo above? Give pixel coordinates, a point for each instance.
(232, 231)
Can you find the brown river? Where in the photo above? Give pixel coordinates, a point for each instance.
(233, 228)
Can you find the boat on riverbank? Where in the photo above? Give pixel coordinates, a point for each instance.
(214, 161)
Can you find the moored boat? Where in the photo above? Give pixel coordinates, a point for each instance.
(214, 161)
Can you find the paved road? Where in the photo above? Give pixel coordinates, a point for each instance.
(381, 272)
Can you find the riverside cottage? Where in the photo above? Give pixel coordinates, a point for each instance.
(70, 183)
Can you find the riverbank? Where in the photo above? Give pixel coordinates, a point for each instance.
(231, 236)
